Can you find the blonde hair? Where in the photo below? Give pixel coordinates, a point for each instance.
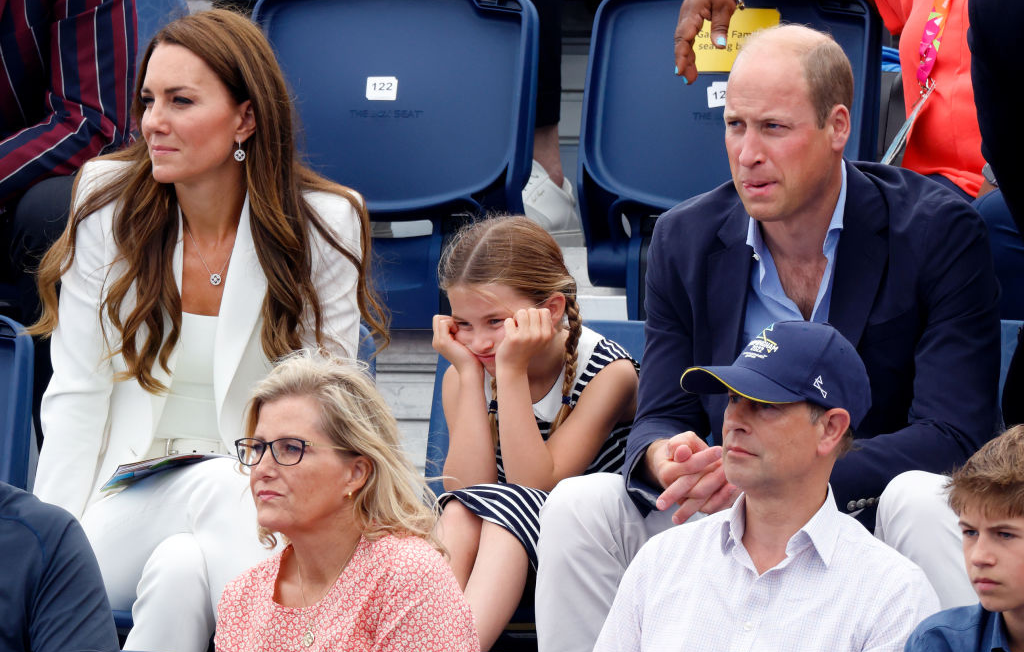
(395, 498)
(992, 480)
(514, 251)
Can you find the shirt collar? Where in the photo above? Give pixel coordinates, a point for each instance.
(756, 241)
(820, 532)
(994, 637)
(735, 524)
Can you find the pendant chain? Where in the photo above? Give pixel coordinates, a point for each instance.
(215, 279)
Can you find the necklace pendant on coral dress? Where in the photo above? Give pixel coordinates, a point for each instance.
(307, 638)
(215, 279)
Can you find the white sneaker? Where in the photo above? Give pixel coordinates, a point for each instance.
(546, 204)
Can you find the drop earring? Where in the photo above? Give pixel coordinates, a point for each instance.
(239, 153)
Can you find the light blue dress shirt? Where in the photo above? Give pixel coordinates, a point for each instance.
(767, 302)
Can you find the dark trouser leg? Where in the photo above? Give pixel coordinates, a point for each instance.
(549, 62)
(1007, 251)
(943, 181)
(1013, 390)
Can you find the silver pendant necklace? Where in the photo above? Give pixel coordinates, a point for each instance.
(215, 279)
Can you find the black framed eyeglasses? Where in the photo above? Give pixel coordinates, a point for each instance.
(287, 451)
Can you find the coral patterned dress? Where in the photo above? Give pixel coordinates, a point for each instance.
(395, 594)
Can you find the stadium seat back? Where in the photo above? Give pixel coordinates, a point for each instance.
(1010, 329)
(425, 108)
(151, 16)
(367, 349)
(15, 403)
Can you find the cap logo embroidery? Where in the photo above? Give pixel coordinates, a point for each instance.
(818, 382)
(761, 346)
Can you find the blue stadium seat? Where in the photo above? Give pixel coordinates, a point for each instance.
(8, 295)
(123, 623)
(1010, 328)
(367, 348)
(151, 16)
(15, 402)
(630, 334)
(648, 141)
(450, 135)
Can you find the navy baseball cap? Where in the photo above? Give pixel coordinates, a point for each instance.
(792, 361)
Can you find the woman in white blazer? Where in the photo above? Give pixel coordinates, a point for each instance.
(191, 261)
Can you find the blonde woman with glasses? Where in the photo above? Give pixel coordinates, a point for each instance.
(361, 570)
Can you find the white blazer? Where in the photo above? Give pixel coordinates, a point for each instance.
(91, 423)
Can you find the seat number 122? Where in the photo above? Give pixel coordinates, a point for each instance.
(382, 88)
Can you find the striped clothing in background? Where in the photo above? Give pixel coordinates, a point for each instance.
(66, 71)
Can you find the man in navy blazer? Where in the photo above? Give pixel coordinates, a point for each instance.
(898, 264)
(913, 288)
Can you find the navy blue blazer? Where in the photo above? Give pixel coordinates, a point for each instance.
(913, 288)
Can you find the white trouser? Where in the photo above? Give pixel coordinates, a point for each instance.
(914, 518)
(169, 544)
(589, 532)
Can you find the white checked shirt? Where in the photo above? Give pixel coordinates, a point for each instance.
(694, 587)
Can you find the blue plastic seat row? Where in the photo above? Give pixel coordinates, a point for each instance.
(427, 109)
(15, 403)
(423, 107)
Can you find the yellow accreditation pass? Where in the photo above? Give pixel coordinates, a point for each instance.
(744, 23)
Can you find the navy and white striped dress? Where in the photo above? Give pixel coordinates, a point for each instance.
(517, 508)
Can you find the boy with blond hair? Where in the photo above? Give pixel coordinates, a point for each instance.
(987, 494)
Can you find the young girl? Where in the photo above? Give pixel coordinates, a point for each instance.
(529, 387)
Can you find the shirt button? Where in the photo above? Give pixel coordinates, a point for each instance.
(852, 505)
(861, 504)
(756, 257)
(748, 626)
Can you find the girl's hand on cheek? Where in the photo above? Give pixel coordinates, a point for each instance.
(455, 352)
(527, 333)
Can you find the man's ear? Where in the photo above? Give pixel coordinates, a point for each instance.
(833, 425)
(839, 126)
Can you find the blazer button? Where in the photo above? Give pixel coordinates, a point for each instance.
(851, 506)
(861, 504)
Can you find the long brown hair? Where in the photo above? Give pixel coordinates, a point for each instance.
(516, 252)
(145, 226)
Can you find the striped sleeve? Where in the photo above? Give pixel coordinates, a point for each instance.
(67, 78)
